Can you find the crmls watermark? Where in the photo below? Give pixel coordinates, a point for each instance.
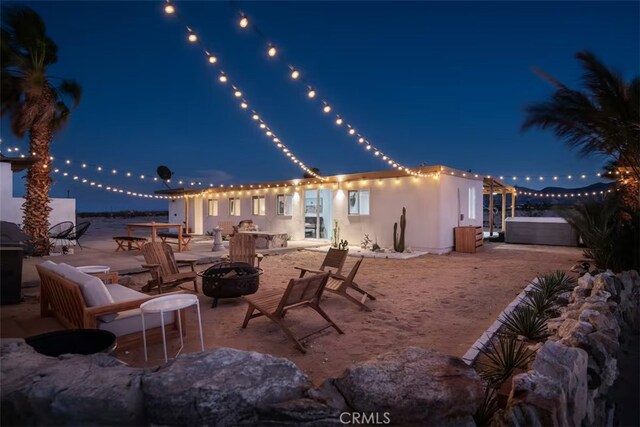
(368, 418)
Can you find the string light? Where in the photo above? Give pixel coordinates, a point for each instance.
(169, 9)
(111, 188)
(193, 38)
(312, 94)
(223, 78)
(244, 21)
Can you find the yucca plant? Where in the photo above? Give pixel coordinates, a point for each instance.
(553, 284)
(503, 356)
(488, 407)
(540, 302)
(525, 321)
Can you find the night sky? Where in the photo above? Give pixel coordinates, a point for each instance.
(433, 82)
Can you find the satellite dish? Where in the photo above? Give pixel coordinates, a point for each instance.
(165, 174)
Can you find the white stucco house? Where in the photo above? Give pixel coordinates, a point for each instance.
(11, 207)
(362, 203)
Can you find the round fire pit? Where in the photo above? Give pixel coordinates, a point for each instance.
(230, 280)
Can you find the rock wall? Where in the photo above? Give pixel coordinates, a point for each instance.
(227, 387)
(574, 369)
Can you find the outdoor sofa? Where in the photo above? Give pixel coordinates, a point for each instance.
(82, 301)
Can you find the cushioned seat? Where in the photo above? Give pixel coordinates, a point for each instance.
(95, 294)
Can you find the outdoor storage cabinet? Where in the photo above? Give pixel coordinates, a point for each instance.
(468, 239)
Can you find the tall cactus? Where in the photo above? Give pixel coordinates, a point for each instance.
(398, 243)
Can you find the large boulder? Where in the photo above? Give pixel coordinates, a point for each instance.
(415, 386)
(69, 390)
(224, 387)
(536, 400)
(567, 366)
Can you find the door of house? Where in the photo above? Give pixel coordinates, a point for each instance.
(318, 208)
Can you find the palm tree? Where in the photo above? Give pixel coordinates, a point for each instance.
(34, 105)
(603, 118)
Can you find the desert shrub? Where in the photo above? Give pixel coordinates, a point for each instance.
(503, 356)
(525, 321)
(553, 284)
(485, 412)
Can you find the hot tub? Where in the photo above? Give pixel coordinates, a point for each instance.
(540, 231)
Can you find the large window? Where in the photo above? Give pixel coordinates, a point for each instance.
(234, 206)
(258, 205)
(284, 204)
(472, 203)
(358, 202)
(212, 207)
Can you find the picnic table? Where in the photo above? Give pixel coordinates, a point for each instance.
(155, 226)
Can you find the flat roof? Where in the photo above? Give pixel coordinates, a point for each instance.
(19, 163)
(392, 173)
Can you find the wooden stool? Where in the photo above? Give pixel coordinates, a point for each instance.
(129, 240)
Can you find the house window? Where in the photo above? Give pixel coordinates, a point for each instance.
(284, 204)
(472, 203)
(358, 202)
(234, 206)
(258, 205)
(212, 207)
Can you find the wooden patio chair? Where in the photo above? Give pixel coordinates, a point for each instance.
(339, 284)
(334, 261)
(164, 268)
(304, 292)
(242, 248)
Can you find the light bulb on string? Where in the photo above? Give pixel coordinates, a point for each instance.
(295, 74)
(222, 78)
(339, 121)
(272, 51)
(237, 94)
(311, 93)
(326, 109)
(193, 38)
(212, 59)
(169, 9)
(244, 105)
(244, 21)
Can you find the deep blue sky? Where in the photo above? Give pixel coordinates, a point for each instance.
(434, 82)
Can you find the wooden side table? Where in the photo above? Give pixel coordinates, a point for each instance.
(468, 239)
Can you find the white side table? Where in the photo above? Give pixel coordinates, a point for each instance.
(94, 269)
(166, 304)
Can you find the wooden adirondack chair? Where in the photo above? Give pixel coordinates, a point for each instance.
(333, 262)
(164, 268)
(304, 292)
(338, 284)
(242, 248)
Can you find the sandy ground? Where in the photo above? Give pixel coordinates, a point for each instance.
(442, 303)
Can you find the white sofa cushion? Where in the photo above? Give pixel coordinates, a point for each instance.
(121, 293)
(130, 321)
(93, 290)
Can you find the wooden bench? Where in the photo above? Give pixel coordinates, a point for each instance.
(186, 238)
(130, 241)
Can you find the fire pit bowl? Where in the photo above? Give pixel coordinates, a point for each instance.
(230, 280)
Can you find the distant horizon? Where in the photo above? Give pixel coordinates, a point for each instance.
(435, 82)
